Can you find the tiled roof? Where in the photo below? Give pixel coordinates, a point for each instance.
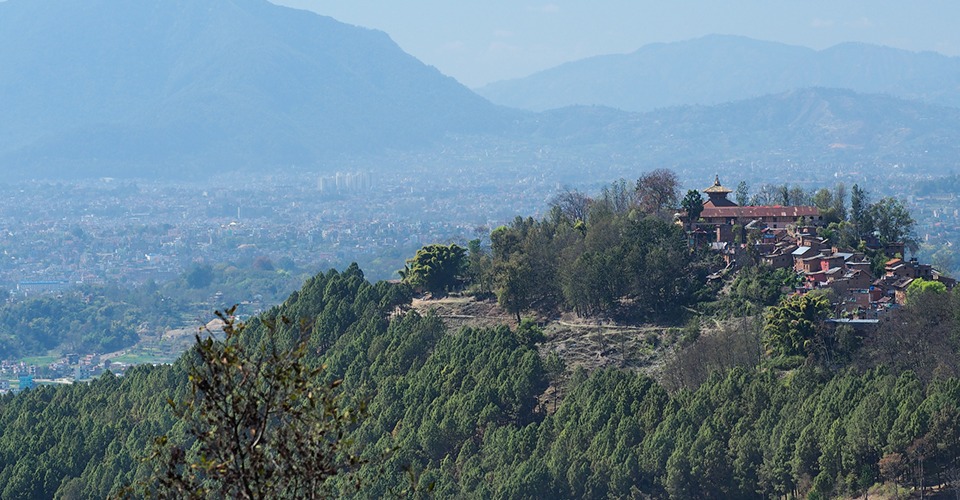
(903, 284)
(759, 211)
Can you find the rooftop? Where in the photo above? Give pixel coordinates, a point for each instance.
(717, 188)
(760, 211)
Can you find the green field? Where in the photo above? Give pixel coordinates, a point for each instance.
(146, 355)
(40, 360)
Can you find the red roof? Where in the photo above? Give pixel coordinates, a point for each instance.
(718, 202)
(752, 212)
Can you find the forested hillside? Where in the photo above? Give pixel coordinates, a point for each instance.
(458, 412)
(86, 321)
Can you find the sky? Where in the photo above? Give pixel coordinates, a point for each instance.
(479, 42)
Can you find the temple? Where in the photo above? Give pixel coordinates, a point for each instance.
(720, 214)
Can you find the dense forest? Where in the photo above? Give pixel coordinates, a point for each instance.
(757, 396)
(78, 321)
(462, 414)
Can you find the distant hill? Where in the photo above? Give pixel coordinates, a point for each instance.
(718, 68)
(816, 126)
(196, 87)
(107, 87)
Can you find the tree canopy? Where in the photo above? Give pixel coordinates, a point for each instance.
(892, 222)
(693, 205)
(436, 268)
(792, 327)
(261, 423)
(921, 289)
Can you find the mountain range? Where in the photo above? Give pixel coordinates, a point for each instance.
(178, 88)
(719, 68)
(169, 86)
(818, 128)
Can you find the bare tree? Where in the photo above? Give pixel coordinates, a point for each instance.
(733, 343)
(572, 204)
(658, 192)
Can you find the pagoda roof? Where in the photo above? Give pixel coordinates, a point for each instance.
(717, 188)
(716, 201)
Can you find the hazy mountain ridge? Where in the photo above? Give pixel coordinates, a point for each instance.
(719, 68)
(106, 85)
(808, 125)
(174, 87)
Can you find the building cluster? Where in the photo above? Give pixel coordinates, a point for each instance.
(18, 375)
(352, 182)
(24, 381)
(15, 368)
(786, 237)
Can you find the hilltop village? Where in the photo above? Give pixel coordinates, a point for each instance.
(792, 237)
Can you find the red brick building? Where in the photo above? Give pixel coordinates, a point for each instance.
(718, 210)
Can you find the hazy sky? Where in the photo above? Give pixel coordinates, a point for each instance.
(478, 42)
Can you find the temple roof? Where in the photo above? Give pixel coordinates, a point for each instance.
(717, 188)
(718, 200)
(753, 212)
